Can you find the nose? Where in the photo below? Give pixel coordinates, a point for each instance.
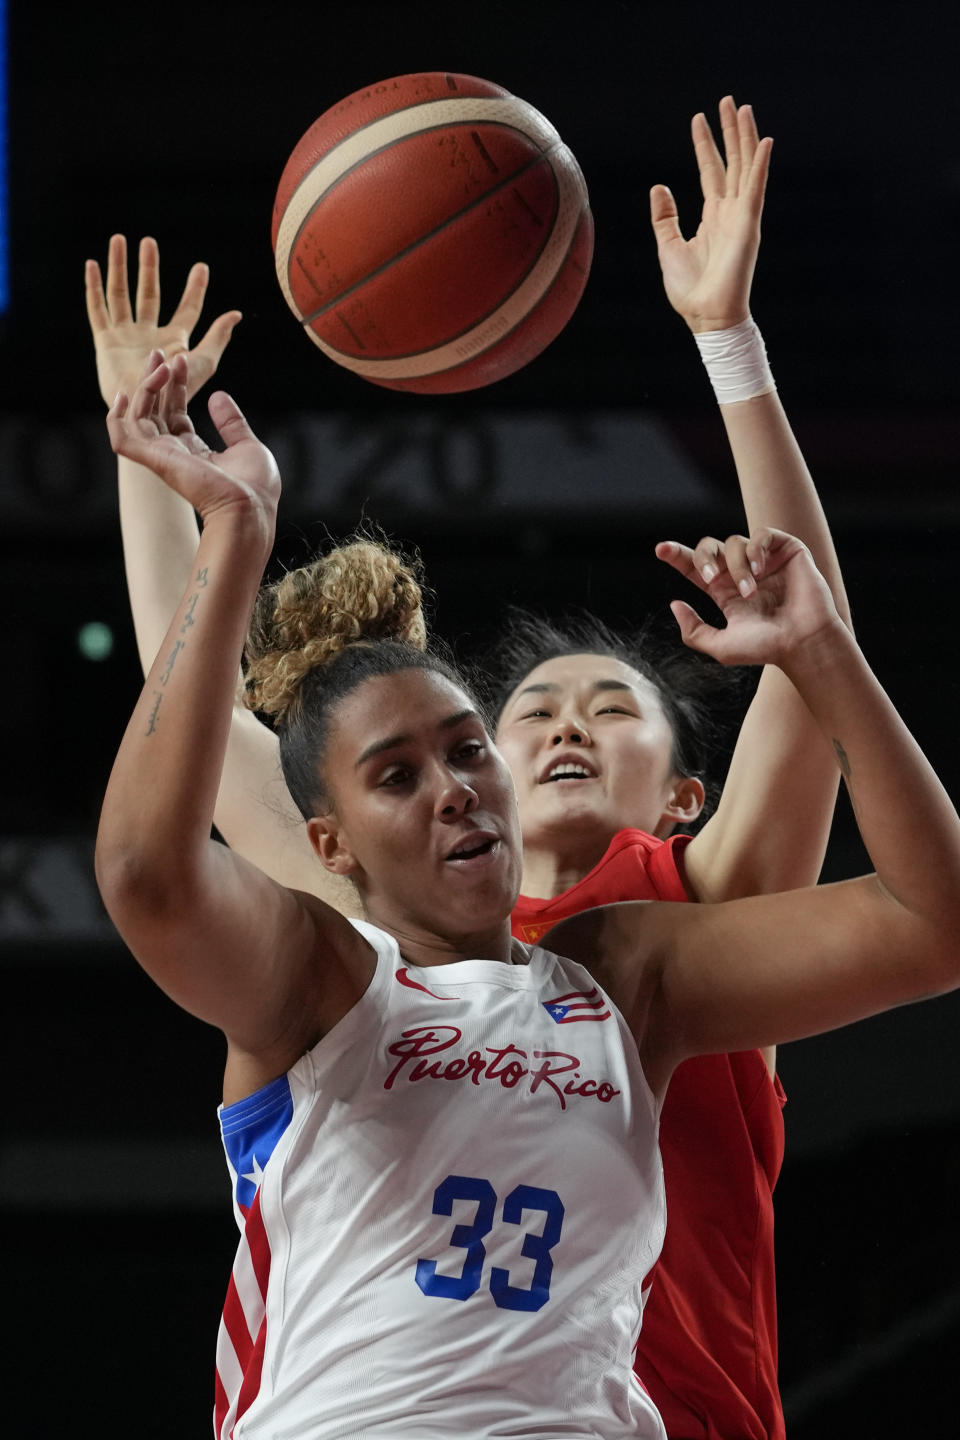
(570, 731)
(455, 798)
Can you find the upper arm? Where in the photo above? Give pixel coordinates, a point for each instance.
(769, 969)
(771, 827)
(266, 965)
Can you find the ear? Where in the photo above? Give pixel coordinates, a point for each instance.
(331, 846)
(683, 805)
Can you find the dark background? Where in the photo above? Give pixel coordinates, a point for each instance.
(177, 122)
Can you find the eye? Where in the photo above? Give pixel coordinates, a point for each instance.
(399, 775)
(617, 710)
(536, 715)
(469, 750)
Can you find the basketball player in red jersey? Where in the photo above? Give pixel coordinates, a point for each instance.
(713, 1368)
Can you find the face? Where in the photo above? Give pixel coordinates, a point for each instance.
(590, 747)
(424, 815)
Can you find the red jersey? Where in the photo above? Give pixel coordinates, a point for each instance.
(708, 1346)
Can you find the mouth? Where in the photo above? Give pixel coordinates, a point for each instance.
(473, 851)
(563, 771)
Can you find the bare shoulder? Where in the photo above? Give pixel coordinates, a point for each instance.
(338, 971)
(621, 945)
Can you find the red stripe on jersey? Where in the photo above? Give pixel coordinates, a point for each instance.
(236, 1325)
(251, 1380)
(256, 1236)
(221, 1405)
(239, 1327)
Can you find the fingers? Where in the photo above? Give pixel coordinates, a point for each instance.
(188, 310)
(737, 563)
(746, 158)
(118, 292)
(756, 183)
(713, 180)
(148, 281)
(715, 566)
(730, 126)
(97, 313)
(173, 406)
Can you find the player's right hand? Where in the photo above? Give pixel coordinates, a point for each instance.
(153, 429)
(124, 337)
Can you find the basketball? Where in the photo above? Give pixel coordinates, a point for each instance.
(432, 233)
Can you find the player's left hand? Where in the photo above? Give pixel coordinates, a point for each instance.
(773, 598)
(708, 277)
(125, 335)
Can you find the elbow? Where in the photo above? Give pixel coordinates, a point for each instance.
(135, 881)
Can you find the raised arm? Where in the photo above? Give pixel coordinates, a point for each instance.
(730, 976)
(780, 759)
(254, 811)
(266, 965)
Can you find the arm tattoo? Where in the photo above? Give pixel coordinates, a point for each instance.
(201, 581)
(154, 712)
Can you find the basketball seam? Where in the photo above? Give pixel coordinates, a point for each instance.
(525, 120)
(378, 369)
(452, 369)
(481, 319)
(377, 119)
(429, 235)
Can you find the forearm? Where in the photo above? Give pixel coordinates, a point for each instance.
(907, 821)
(160, 800)
(776, 485)
(160, 535)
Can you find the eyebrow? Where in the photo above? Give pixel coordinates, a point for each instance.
(392, 741)
(598, 685)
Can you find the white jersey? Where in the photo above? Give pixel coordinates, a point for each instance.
(448, 1208)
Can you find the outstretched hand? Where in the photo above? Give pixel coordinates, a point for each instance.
(708, 277)
(125, 336)
(153, 429)
(772, 597)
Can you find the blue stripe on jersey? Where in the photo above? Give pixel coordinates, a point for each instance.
(251, 1129)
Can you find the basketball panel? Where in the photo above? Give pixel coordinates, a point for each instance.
(452, 280)
(362, 108)
(402, 194)
(526, 341)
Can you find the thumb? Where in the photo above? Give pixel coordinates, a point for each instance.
(217, 338)
(663, 215)
(229, 419)
(694, 632)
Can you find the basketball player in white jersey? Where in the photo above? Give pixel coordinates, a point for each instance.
(454, 1194)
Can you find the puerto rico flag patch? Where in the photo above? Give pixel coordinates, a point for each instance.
(578, 1005)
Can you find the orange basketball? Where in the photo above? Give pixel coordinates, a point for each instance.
(432, 233)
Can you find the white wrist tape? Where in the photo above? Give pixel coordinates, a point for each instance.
(736, 362)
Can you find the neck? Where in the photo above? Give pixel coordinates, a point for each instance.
(549, 871)
(421, 947)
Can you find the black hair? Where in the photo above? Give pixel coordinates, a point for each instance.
(703, 701)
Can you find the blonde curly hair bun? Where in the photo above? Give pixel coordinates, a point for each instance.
(359, 593)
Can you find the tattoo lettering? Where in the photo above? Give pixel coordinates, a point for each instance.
(188, 619)
(154, 712)
(188, 622)
(842, 760)
(171, 662)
